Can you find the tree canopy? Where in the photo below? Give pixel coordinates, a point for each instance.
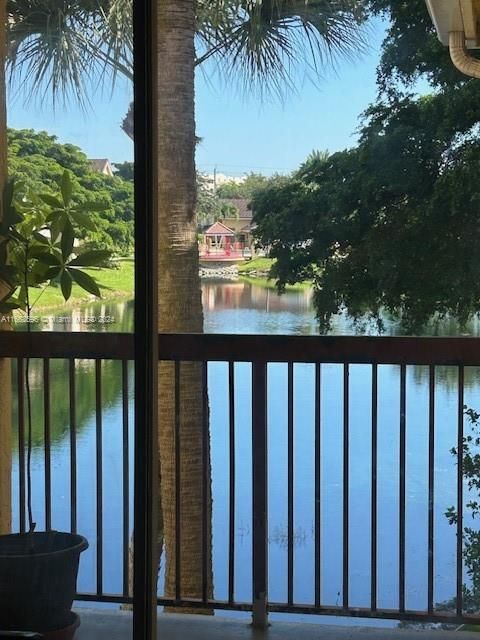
(39, 160)
(393, 223)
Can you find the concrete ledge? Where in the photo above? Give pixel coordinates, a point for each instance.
(103, 625)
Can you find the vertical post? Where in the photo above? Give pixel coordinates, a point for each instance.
(146, 326)
(460, 532)
(5, 324)
(259, 472)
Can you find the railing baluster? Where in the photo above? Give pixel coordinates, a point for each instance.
(318, 488)
(21, 442)
(402, 487)
(290, 485)
(46, 444)
(126, 480)
(99, 473)
(205, 481)
(73, 445)
(431, 485)
(461, 387)
(374, 491)
(260, 484)
(178, 506)
(231, 446)
(346, 483)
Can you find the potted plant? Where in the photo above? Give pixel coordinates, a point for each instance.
(38, 569)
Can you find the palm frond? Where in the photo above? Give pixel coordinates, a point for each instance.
(60, 49)
(266, 44)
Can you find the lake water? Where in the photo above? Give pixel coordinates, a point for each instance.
(240, 307)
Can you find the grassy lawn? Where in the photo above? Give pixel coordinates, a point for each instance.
(262, 266)
(256, 264)
(114, 283)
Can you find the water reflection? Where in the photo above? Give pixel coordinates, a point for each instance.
(242, 307)
(59, 391)
(238, 306)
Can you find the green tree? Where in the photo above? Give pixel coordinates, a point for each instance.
(389, 225)
(125, 170)
(245, 189)
(38, 160)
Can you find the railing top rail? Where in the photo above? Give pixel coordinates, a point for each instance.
(46, 344)
(247, 348)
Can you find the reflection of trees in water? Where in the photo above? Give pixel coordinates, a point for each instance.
(60, 395)
(446, 377)
(240, 294)
(96, 317)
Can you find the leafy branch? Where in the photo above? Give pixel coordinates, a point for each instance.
(37, 249)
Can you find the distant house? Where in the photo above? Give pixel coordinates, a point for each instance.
(240, 223)
(102, 165)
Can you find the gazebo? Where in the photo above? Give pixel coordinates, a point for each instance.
(219, 238)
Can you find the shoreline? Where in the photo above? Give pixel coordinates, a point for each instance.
(118, 284)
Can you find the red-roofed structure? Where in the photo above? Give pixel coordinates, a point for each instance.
(219, 230)
(220, 245)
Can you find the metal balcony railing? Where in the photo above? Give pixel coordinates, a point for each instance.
(260, 355)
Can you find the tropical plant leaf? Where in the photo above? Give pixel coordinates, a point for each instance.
(37, 274)
(41, 238)
(66, 284)
(9, 305)
(68, 237)
(53, 272)
(52, 201)
(49, 259)
(56, 227)
(90, 259)
(66, 187)
(85, 281)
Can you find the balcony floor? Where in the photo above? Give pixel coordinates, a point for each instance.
(106, 625)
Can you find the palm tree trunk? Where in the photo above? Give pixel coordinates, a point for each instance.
(5, 368)
(180, 305)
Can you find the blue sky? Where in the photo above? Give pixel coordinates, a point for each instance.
(239, 134)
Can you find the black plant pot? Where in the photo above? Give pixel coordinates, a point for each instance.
(38, 579)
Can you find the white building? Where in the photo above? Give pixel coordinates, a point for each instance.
(215, 180)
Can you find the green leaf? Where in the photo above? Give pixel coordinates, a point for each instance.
(68, 238)
(84, 220)
(22, 297)
(50, 259)
(41, 238)
(66, 187)
(52, 201)
(85, 281)
(10, 215)
(37, 274)
(66, 284)
(53, 272)
(90, 259)
(9, 305)
(56, 228)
